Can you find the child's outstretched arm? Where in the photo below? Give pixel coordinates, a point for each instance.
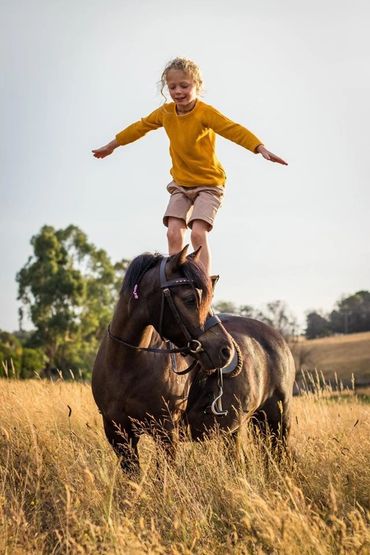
(239, 135)
(270, 155)
(132, 133)
(105, 150)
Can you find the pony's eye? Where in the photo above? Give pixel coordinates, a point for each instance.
(190, 301)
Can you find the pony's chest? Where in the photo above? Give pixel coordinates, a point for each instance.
(144, 395)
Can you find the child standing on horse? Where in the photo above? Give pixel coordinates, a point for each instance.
(199, 179)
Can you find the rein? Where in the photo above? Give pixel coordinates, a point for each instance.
(182, 350)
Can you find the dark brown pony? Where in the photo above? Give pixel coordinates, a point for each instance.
(139, 386)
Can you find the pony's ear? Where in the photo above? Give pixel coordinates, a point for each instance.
(195, 255)
(214, 280)
(178, 259)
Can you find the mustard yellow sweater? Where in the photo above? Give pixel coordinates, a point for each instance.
(192, 141)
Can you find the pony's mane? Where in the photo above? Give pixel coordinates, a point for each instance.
(137, 268)
(144, 262)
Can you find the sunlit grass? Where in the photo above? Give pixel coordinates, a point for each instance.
(62, 491)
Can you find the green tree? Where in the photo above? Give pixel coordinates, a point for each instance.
(352, 314)
(317, 325)
(68, 288)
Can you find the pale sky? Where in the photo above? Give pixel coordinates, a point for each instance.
(295, 73)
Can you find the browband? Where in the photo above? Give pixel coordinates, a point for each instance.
(172, 282)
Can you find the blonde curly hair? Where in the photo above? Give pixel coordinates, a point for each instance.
(185, 65)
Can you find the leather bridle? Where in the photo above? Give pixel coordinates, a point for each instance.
(193, 345)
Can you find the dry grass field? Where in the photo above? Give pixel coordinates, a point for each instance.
(61, 490)
(338, 357)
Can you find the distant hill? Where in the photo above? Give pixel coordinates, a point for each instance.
(341, 354)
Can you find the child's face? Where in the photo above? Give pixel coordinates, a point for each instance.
(181, 87)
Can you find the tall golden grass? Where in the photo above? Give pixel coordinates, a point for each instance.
(340, 355)
(62, 491)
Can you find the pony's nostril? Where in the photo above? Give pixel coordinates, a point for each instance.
(226, 352)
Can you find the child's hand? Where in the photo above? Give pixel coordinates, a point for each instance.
(105, 150)
(270, 156)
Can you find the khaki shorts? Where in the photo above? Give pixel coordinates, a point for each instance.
(193, 203)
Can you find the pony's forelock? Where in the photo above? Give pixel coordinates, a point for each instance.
(190, 269)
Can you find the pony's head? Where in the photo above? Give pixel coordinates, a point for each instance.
(174, 296)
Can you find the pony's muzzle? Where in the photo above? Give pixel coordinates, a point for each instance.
(216, 353)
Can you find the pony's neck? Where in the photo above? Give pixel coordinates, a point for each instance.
(129, 324)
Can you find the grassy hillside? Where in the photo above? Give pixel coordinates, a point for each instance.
(343, 355)
(61, 490)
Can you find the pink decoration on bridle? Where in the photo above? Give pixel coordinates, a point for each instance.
(134, 293)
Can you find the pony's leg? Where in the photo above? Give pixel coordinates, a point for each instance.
(273, 422)
(124, 442)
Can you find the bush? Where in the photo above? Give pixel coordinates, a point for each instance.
(10, 353)
(33, 360)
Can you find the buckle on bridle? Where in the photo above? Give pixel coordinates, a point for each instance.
(195, 346)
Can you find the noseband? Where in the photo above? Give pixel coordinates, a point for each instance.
(193, 345)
